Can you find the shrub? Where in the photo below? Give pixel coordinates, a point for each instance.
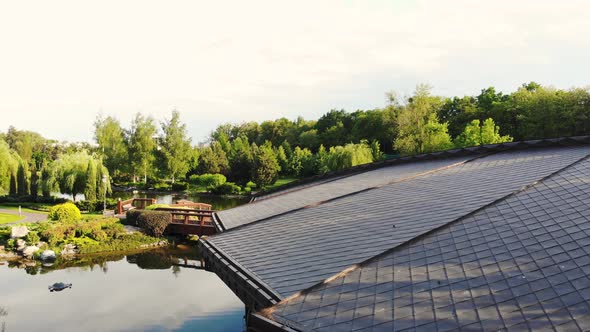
(132, 215)
(154, 222)
(32, 238)
(179, 186)
(227, 188)
(209, 181)
(65, 212)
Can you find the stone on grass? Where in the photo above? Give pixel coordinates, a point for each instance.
(19, 231)
(47, 255)
(30, 250)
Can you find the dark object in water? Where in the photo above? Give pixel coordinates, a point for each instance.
(59, 286)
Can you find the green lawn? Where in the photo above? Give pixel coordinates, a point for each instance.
(280, 182)
(8, 218)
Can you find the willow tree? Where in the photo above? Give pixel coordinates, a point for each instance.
(72, 174)
(8, 167)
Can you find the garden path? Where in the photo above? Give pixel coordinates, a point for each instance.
(28, 216)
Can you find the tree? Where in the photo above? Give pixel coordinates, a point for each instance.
(476, 134)
(419, 129)
(212, 159)
(241, 163)
(69, 173)
(22, 179)
(176, 147)
(341, 157)
(282, 160)
(91, 181)
(302, 162)
(110, 138)
(8, 166)
(141, 143)
(265, 166)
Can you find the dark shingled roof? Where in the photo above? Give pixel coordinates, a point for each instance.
(435, 240)
(522, 263)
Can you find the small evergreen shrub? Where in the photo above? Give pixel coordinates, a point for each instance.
(65, 212)
(154, 222)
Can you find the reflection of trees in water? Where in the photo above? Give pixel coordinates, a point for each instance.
(3, 313)
(151, 260)
(84, 262)
(183, 255)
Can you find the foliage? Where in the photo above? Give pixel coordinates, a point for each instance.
(141, 145)
(96, 205)
(419, 129)
(154, 222)
(32, 237)
(265, 166)
(68, 212)
(110, 137)
(350, 155)
(209, 180)
(474, 134)
(122, 242)
(227, 188)
(69, 174)
(176, 147)
(179, 186)
(132, 215)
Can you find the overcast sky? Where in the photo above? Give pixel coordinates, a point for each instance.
(63, 62)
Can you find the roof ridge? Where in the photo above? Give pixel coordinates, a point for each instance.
(362, 264)
(455, 152)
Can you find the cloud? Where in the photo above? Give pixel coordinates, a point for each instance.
(236, 61)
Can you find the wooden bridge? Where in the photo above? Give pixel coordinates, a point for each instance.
(187, 217)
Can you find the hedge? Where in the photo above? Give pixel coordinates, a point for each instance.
(131, 216)
(154, 223)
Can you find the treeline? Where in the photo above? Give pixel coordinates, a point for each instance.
(148, 152)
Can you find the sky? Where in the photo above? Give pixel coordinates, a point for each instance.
(64, 62)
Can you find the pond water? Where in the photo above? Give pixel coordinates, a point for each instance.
(142, 291)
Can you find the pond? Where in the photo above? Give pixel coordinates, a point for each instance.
(161, 290)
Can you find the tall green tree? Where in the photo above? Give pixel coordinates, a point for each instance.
(91, 188)
(142, 144)
(22, 179)
(176, 147)
(110, 137)
(241, 162)
(265, 166)
(419, 129)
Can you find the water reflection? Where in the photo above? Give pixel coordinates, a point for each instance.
(163, 290)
